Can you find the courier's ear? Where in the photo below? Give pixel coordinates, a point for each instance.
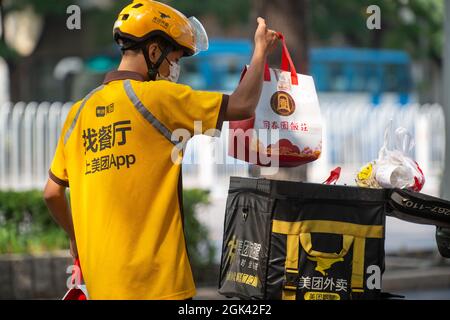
(153, 52)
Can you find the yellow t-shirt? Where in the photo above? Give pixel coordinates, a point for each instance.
(116, 153)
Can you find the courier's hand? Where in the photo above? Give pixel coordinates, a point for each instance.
(265, 39)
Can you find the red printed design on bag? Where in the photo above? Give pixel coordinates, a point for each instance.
(286, 148)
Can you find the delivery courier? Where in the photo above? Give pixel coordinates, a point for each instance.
(125, 216)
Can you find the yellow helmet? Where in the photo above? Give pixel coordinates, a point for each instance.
(144, 19)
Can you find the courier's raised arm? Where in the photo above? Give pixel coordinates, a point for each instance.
(243, 101)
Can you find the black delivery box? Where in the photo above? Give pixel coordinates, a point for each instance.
(294, 241)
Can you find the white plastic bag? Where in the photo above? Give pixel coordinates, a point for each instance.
(394, 168)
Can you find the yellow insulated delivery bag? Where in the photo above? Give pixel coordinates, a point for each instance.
(302, 241)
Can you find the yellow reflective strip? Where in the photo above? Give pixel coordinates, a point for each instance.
(359, 245)
(292, 252)
(292, 247)
(326, 226)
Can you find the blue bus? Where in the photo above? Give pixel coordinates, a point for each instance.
(372, 75)
(219, 68)
(376, 72)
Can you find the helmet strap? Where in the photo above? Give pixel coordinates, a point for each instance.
(153, 68)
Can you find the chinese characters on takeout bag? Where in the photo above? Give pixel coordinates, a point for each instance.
(286, 130)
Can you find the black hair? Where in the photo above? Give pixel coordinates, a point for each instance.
(165, 46)
(135, 47)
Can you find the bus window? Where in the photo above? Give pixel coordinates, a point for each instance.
(396, 78)
(367, 71)
(190, 74)
(359, 78)
(233, 73)
(364, 78)
(390, 81)
(337, 78)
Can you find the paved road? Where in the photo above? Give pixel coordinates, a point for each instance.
(438, 294)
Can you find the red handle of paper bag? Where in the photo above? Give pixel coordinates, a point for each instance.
(286, 63)
(266, 72)
(76, 292)
(77, 264)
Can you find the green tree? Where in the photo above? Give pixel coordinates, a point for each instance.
(27, 226)
(47, 7)
(201, 250)
(228, 12)
(412, 25)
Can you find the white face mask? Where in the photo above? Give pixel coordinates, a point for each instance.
(174, 73)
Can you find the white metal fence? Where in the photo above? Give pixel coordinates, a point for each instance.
(352, 136)
(356, 132)
(28, 138)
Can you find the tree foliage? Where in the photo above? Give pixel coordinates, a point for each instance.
(26, 226)
(47, 7)
(412, 25)
(228, 12)
(201, 250)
